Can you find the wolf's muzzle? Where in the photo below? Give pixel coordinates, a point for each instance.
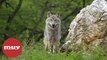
(53, 25)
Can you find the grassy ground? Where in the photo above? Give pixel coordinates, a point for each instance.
(36, 52)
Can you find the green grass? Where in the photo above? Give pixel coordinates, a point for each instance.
(37, 52)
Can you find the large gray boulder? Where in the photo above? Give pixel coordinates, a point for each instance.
(89, 28)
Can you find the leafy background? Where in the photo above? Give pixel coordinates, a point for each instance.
(25, 19)
(30, 18)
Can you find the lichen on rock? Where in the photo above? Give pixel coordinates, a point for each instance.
(89, 28)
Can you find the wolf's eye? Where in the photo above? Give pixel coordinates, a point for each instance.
(55, 20)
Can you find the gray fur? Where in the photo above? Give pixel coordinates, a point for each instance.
(52, 35)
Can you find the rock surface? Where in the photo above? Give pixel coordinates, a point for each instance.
(89, 28)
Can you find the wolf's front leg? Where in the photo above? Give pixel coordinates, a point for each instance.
(49, 47)
(46, 47)
(55, 48)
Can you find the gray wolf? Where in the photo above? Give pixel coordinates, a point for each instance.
(52, 33)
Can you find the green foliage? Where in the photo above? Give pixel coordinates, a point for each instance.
(32, 15)
(37, 52)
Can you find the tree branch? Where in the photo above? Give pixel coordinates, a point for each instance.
(11, 16)
(74, 11)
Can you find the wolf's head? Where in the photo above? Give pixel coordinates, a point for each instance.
(53, 21)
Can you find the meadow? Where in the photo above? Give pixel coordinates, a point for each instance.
(25, 20)
(37, 52)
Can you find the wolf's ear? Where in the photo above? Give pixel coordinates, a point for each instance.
(49, 14)
(58, 15)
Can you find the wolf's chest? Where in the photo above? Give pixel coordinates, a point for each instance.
(53, 39)
(53, 36)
